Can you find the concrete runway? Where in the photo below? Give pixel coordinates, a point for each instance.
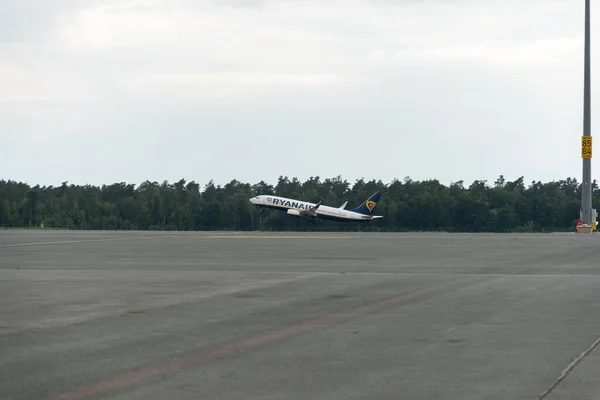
(155, 315)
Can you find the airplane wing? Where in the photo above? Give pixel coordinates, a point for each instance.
(343, 205)
(312, 211)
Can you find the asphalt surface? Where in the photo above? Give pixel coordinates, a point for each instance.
(155, 315)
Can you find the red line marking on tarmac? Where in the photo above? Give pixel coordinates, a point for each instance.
(320, 322)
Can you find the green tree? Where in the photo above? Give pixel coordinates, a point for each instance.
(504, 206)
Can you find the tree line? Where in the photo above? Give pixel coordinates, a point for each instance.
(407, 205)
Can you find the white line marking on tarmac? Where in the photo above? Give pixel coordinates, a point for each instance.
(273, 237)
(84, 241)
(569, 368)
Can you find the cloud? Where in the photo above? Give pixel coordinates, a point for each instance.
(114, 48)
(115, 24)
(533, 55)
(156, 77)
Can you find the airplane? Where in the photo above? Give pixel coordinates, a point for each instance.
(298, 208)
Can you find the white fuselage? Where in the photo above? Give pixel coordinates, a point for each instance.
(302, 208)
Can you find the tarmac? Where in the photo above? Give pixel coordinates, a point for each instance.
(213, 315)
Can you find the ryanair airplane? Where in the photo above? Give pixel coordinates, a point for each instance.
(364, 212)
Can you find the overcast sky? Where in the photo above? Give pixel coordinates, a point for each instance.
(100, 91)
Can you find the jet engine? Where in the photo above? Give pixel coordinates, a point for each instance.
(293, 212)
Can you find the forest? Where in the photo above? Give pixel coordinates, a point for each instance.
(406, 205)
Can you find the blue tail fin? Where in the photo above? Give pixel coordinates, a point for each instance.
(369, 205)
